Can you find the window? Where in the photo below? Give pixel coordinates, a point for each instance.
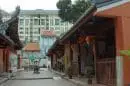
(36, 21)
(26, 29)
(57, 28)
(21, 21)
(26, 32)
(51, 28)
(21, 32)
(47, 27)
(21, 28)
(58, 32)
(42, 21)
(35, 32)
(51, 22)
(39, 30)
(57, 21)
(26, 21)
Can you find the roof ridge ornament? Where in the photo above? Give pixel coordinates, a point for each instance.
(14, 15)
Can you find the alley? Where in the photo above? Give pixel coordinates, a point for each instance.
(45, 78)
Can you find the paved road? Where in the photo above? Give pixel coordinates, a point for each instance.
(31, 75)
(21, 80)
(45, 82)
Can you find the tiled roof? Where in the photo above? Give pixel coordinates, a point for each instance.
(47, 33)
(102, 3)
(112, 5)
(32, 47)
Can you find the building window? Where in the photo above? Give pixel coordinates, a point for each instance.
(58, 32)
(26, 29)
(42, 21)
(39, 30)
(36, 21)
(57, 28)
(51, 22)
(21, 32)
(21, 28)
(26, 21)
(47, 27)
(35, 32)
(26, 32)
(21, 21)
(51, 28)
(57, 21)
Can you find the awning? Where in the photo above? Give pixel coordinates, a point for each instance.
(83, 19)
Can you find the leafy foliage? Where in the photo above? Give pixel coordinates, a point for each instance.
(71, 12)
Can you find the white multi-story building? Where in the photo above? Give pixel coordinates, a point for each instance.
(31, 22)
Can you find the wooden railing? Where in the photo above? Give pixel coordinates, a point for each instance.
(106, 71)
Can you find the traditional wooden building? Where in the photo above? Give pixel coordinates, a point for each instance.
(10, 42)
(96, 39)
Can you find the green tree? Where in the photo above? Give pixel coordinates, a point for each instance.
(65, 7)
(71, 12)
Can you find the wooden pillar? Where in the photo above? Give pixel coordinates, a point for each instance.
(119, 46)
(79, 59)
(8, 66)
(18, 66)
(125, 24)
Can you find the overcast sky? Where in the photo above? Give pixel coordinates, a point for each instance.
(9, 5)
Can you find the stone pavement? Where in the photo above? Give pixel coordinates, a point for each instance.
(4, 77)
(44, 74)
(34, 79)
(79, 81)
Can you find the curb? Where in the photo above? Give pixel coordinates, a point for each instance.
(31, 78)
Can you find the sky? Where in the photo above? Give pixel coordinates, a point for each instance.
(9, 5)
